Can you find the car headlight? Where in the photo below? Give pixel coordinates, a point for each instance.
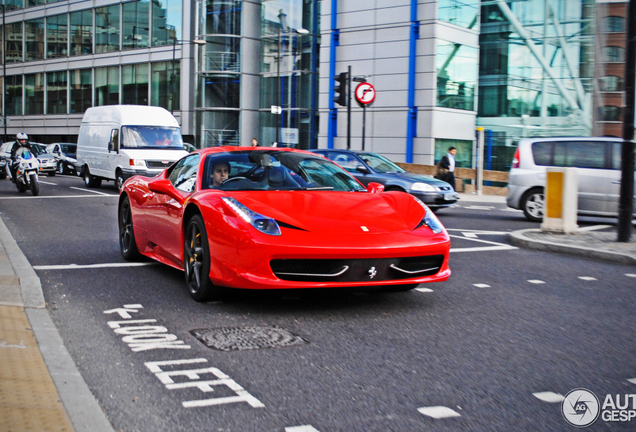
(262, 223)
(423, 187)
(429, 219)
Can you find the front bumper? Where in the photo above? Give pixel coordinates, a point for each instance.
(437, 199)
(257, 264)
(145, 172)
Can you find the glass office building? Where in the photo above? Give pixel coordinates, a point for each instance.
(536, 72)
(62, 57)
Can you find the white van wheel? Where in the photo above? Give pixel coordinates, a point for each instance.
(91, 181)
(532, 204)
(119, 180)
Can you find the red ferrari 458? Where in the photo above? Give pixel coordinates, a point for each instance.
(273, 218)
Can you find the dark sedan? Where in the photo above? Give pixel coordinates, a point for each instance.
(371, 167)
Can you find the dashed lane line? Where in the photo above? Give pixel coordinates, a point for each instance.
(304, 428)
(438, 412)
(93, 191)
(91, 266)
(59, 196)
(549, 397)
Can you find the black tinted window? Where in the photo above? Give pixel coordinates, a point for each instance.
(580, 154)
(542, 153)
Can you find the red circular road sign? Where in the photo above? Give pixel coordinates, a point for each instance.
(365, 93)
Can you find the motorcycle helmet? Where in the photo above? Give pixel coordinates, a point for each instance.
(22, 136)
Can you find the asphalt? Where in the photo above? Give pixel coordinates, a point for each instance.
(41, 388)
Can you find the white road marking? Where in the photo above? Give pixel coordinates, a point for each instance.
(478, 232)
(536, 281)
(632, 380)
(88, 190)
(549, 397)
(58, 196)
(438, 412)
(630, 275)
(48, 183)
(305, 428)
(496, 246)
(587, 278)
(481, 285)
(424, 290)
(91, 266)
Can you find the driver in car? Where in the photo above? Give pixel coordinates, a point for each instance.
(220, 173)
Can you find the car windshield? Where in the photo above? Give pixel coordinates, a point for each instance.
(275, 170)
(151, 137)
(380, 163)
(37, 149)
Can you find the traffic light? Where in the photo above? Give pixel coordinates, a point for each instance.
(341, 89)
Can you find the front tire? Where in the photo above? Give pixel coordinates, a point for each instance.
(35, 184)
(119, 179)
(89, 180)
(60, 168)
(127, 243)
(196, 260)
(532, 203)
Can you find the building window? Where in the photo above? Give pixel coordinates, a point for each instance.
(220, 91)
(224, 18)
(107, 85)
(107, 29)
(30, 3)
(460, 12)
(81, 90)
(56, 96)
(610, 113)
(13, 4)
(13, 104)
(134, 80)
(34, 94)
(613, 54)
(135, 31)
(81, 32)
(34, 37)
(166, 22)
(14, 43)
(614, 24)
(57, 36)
(456, 75)
(160, 81)
(611, 83)
(464, 156)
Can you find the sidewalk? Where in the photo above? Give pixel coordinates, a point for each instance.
(40, 386)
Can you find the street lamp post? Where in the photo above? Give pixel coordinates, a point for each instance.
(173, 88)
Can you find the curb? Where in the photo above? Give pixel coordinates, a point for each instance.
(80, 404)
(518, 239)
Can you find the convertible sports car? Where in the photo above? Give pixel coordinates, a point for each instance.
(274, 218)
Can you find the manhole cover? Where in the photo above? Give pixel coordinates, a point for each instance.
(245, 338)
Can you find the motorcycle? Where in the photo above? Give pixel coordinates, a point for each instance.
(26, 173)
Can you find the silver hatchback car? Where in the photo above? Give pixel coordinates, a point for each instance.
(598, 163)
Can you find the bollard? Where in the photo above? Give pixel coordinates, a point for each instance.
(560, 200)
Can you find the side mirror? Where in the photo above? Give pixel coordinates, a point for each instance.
(374, 187)
(362, 169)
(111, 146)
(164, 187)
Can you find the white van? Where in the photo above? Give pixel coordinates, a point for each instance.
(598, 164)
(118, 141)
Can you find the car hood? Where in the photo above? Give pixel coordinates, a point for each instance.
(334, 212)
(45, 157)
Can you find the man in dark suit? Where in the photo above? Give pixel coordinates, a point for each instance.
(448, 162)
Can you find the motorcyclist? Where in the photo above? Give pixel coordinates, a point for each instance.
(21, 140)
